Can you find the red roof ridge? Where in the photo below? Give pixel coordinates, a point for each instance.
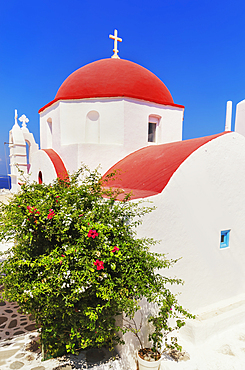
(58, 100)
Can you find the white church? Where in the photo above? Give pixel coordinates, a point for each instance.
(118, 114)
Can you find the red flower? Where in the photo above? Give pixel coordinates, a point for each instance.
(51, 214)
(62, 255)
(99, 264)
(33, 210)
(115, 249)
(92, 233)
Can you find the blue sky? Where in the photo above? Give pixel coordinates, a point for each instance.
(197, 48)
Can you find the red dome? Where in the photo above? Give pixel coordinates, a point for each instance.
(114, 78)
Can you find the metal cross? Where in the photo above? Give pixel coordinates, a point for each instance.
(115, 38)
(24, 120)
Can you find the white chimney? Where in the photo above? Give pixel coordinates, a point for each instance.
(228, 116)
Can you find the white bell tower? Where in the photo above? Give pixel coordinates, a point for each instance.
(20, 141)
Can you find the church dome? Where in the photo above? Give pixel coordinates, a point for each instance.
(108, 78)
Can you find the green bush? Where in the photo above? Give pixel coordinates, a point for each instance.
(77, 264)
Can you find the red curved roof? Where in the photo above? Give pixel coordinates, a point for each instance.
(59, 166)
(114, 78)
(147, 171)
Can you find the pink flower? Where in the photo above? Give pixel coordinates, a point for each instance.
(115, 249)
(99, 264)
(92, 233)
(51, 214)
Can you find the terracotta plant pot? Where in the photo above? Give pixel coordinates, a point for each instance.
(148, 365)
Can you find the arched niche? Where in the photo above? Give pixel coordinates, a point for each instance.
(40, 177)
(49, 132)
(28, 144)
(92, 128)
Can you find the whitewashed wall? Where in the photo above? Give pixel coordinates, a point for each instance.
(117, 127)
(41, 162)
(240, 118)
(204, 196)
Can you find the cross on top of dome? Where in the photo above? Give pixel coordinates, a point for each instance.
(115, 38)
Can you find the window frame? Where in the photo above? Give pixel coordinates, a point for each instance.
(226, 241)
(152, 124)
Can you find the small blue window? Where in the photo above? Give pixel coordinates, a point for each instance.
(224, 239)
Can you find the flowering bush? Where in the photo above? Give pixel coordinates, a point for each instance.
(76, 263)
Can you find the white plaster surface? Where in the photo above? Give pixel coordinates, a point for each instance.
(29, 138)
(42, 162)
(120, 127)
(204, 196)
(17, 149)
(240, 118)
(228, 116)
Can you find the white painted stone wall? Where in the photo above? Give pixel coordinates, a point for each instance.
(204, 196)
(17, 155)
(48, 140)
(41, 162)
(240, 118)
(117, 127)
